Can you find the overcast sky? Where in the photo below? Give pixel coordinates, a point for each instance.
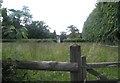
(58, 14)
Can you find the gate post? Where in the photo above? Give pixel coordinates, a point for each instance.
(84, 70)
(75, 56)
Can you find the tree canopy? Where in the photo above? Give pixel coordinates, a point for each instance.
(13, 24)
(74, 31)
(102, 23)
(38, 30)
(18, 24)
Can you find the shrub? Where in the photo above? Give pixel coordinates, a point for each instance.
(10, 73)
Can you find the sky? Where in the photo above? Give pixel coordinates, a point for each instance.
(57, 14)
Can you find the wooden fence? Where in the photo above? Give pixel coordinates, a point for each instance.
(77, 65)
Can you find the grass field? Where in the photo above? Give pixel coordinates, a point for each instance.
(60, 52)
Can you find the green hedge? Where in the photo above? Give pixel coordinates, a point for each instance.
(29, 40)
(74, 40)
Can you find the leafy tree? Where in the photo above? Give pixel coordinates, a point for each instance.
(38, 29)
(12, 24)
(102, 23)
(1, 1)
(74, 31)
(27, 16)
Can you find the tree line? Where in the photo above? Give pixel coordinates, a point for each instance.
(18, 24)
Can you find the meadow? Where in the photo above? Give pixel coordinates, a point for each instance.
(94, 52)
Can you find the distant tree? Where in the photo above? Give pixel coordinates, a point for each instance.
(38, 30)
(1, 1)
(63, 36)
(27, 16)
(74, 31)
(54, 35)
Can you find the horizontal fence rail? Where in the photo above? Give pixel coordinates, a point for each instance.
(98, 75)
(103, 64)
(44, 65)
(57, 66)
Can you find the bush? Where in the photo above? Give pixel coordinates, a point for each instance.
(10, 73)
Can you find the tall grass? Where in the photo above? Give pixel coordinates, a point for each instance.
(60, 52)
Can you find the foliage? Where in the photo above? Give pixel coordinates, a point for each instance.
(27, 16)
(1, 1)
(13, 24)
(74, 31)
(102, 24)
(38, 30)
(10, 73)
(18, 24)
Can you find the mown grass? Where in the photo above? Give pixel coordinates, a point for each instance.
(60, 52)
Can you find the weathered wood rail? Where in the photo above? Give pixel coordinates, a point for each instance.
(77, 65)
(57, 66)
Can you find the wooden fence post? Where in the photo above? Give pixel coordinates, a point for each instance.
(84, 70)
(75, 56)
